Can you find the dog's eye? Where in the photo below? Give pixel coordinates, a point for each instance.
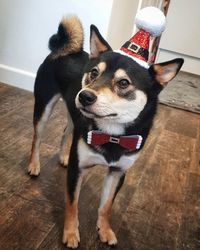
(123, 84)
(94, 73)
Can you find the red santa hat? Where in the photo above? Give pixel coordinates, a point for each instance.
(151, 22)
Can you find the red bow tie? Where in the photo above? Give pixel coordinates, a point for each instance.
(132, 142)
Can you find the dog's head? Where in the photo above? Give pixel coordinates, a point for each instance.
(115, 87)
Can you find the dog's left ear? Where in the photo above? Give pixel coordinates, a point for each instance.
(98, 44)
(165, 72)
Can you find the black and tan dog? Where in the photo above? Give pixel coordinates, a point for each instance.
(111, 102)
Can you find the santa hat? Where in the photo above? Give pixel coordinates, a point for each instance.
(151, 22)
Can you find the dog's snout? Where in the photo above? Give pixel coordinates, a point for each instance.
(87, 98)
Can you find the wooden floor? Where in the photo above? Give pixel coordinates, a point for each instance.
(158, 207)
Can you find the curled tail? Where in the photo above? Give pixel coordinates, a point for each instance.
(68, 39)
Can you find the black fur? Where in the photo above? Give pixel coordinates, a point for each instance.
(144, 81)
(59, 39)
(64, 75)
(94, 30)
(119, 185)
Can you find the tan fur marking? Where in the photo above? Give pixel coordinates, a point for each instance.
(110, 95)
(121, 74)
(84, 80)
(71, 235)
(106, 234)
(34, 163)
(74, 30)
(101, 66)
(105, 91)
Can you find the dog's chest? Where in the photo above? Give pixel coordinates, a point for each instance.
(88, 158)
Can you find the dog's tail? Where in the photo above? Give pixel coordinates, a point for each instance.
(68, 39)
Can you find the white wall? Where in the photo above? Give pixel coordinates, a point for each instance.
(26, 25)
(182, 35)
(122, 22)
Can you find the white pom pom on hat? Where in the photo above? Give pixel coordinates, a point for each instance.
(151, 22)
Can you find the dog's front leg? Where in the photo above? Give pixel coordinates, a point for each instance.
(112, 184)
(74, 179)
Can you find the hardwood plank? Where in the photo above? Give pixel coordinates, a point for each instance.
(189, 234)
(49, 186)
(12, 181)
(25, 224)
(195, 157)
(157, 208)
(183, 122)
(54, 240)
(3, 89)
(155, 211)
(12, 99)
(11, 129)
(20, 150)
(14, 164)
(24, 109)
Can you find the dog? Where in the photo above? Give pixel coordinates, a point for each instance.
(111, 102)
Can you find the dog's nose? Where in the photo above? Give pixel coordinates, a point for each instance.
(87, 98)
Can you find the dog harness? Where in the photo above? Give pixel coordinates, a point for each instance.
(131, 142)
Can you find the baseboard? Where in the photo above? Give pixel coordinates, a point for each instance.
(191, 64)
(17, 77)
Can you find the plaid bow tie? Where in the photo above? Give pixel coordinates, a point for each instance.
(132, 142)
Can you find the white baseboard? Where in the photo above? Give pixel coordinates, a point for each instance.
(17, 77)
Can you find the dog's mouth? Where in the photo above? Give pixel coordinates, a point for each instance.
(94, 115)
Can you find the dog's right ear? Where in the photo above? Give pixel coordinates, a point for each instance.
(97, 43)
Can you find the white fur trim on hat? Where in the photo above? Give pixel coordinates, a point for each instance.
(152, 20)
(141, 62)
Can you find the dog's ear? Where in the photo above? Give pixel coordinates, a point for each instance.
(97, 43)
(165, 72)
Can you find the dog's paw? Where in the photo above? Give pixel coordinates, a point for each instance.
(71, 238)
(34, 169)
(64, 159)
(107, 235)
